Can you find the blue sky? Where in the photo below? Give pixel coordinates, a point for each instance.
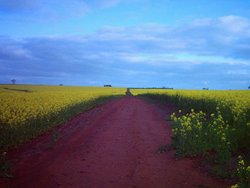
(132, 43)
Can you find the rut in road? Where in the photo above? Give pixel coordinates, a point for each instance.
(113, 145)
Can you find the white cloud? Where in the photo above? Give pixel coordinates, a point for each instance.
(203, 48)
(238, 72)
(16, 51)
(235, 24)
(201, 42)
(202, 22)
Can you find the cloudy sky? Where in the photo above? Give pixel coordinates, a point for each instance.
(132, 43)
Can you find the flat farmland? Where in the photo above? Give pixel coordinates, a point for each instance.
(59, 136)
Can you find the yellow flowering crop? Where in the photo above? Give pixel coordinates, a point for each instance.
(31, 106)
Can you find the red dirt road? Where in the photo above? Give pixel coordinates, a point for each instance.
(114, 145)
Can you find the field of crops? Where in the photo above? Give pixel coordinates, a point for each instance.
(27, 111)
(214, 124)
(210, 123)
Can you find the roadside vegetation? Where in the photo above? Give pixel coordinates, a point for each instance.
(27, 111)
(214, 125)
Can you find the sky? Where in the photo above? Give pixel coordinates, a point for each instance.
(184, 44)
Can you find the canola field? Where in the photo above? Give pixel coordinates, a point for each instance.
(233, 107)
(27, 110)
(213, 124)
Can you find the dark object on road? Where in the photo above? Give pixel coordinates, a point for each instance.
(128, 93)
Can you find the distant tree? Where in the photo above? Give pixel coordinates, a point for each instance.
(60, 84)
(107, 85)
(13, 81)
(205, 88)
(249, 87)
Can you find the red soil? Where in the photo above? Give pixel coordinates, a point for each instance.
(114, 145)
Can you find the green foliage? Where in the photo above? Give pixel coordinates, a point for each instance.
(218, 125)
(195, 133)
(234, 107)
(5, 166)
(243, 174)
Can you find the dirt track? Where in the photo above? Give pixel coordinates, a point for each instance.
(112, 146)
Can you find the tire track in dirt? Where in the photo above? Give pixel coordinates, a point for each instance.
(113, 145)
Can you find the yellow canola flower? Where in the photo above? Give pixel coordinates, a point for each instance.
(18, 108)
